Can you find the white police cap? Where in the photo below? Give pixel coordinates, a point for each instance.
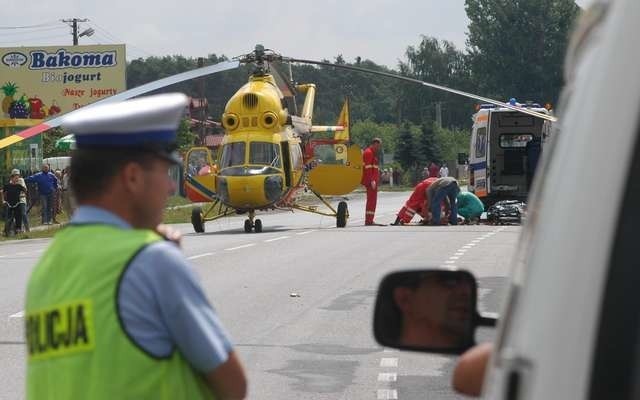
(147, 123)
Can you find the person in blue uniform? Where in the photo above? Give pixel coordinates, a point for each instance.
(150, 332)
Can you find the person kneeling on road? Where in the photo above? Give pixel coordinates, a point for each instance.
(469, 206)
(415, 203)
(443, 189)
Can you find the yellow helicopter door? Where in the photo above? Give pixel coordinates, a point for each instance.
(200, 175)
(336, 169)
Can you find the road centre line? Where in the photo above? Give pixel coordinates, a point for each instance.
(199, 256)
(387, 394)
(304, 233)
(278, 238)
(389, 362)
(244, 246)
(387, 376)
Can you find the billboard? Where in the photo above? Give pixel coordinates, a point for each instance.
(59, 79)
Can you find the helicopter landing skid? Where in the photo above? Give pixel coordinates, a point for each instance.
(341, 214)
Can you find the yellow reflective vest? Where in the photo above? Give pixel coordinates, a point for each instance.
(77, 347)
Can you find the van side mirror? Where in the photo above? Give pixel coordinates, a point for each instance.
(429, 311)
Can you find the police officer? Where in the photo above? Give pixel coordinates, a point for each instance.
(114, 311)
(371, 179)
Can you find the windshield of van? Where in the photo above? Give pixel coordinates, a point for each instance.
(232, 154)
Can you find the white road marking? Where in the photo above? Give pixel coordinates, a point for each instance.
(469, 245)
(199, 256)
(460, 253)
(389, 362)
(278, 238)
(304, 233)
(19, 314)
(244, 246)
(454, 257)
(387, 377)
(387, 394)
(450, 262)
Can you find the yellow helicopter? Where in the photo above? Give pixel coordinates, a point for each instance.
(270, 153)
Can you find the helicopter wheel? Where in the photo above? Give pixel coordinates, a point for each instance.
(341, 215)
(247, 226)
(257, 226)
(196, 219)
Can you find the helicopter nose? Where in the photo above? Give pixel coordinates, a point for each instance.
(247, 191)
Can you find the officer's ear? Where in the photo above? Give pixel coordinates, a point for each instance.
(132, 178)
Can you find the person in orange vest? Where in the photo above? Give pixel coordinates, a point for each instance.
(371, 178)
(416, 204)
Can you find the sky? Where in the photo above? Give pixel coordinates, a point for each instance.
(379, 30)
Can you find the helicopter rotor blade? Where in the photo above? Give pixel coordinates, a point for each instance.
(127, 94)
(431, 85)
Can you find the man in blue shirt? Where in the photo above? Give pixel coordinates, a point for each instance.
(47, 186)
(124, 151)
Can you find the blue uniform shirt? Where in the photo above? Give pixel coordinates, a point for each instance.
(161, 303)
(46, 182)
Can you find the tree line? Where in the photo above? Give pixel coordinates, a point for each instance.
(514, 48)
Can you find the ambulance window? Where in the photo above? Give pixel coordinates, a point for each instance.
(481, 142)
(515, 140)
(232, 154)
(265, 153)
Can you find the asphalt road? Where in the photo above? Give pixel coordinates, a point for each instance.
(319, 343)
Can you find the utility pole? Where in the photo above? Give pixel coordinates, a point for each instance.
(203, 109)
(74, 27)
(439, 114)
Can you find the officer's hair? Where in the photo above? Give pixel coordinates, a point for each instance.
(376, 140)
(93, 169)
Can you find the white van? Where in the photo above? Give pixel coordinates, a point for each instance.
(57, 162)
(505, 147)
(570, 328)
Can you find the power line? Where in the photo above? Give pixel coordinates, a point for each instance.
(118, 40)
(33, 38)
(29, 26)
(22, 33)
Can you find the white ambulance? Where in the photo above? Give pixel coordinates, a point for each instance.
(505, 148)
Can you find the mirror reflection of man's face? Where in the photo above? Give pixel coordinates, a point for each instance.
(439, 307)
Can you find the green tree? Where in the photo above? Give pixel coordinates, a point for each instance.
(452, 142)
(427, 145)
(49, 143)
(438, 62)
(405, 147)
(185, 138)
(517, 47)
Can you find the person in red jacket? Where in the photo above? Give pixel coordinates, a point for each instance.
(371, 178)
(416, 203)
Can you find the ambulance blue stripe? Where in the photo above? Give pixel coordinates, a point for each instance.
(478, 165)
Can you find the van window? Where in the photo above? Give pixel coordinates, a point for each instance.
(515, 140)
(481, 142)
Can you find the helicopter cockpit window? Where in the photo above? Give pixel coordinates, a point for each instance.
(232, 154)
(198, 159)
(265, 153)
